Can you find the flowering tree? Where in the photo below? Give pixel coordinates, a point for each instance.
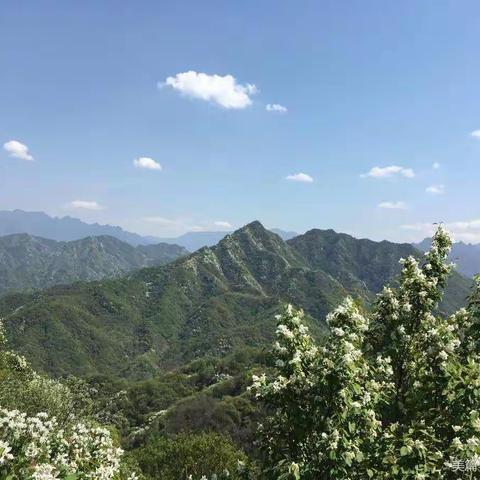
(48, 440)
(393, 394)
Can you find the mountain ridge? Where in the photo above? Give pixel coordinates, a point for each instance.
(207, 303)
(63, 228)
(192, 241)
(68, 228)
(28, 262)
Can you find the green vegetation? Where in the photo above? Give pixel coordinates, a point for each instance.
(32, 263)
(394, 394)
(166, 357)
(151, 419)
(213, 302)
(206, 395)
(47, 431)
(183, 456)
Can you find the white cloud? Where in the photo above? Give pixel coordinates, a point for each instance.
(182, 225)
(385, 172)
(436, 189)
(466, 231)
(177, 223)
(187, 225)
(475, 134)
(222, 90)
(86, 205)
(146, 162)
(276, 107)
(300, 177)
(18, 150)
(435, 165)
(393, 205)
(162, 220)
(223, 224)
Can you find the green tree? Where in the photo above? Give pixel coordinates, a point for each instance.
(393, 394)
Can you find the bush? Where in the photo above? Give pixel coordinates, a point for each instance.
(187, 455)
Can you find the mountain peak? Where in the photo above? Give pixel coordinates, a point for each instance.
(253, 244)
(253, 232)
(255, 226)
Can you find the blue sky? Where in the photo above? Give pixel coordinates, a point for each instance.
(95, 91)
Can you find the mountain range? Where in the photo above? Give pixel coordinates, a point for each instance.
(210, 302)
(63, 228)
(466, 256)
(33, 263)
(68, 229)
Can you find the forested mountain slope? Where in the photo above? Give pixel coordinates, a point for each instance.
(210, 302)
(33, 263)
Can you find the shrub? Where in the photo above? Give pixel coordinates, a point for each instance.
(187, 455)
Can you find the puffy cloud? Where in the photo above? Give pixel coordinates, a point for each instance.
(300, 177)
(86, 205)
(222, 90)
(147, 162)
(393, 205)
(385, 172)
(436, 189)
(435, 165)
(17, 150)
(276, 107)
(475, 134)
(222, 224)
(467, 231)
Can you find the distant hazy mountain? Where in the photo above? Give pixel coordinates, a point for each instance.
(284, 234)
(192, 241)
(465, 255)
(63, 228)
(68, 228)
(207, 303)
(32, 263)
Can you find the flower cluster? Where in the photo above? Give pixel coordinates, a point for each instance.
(38, 448)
